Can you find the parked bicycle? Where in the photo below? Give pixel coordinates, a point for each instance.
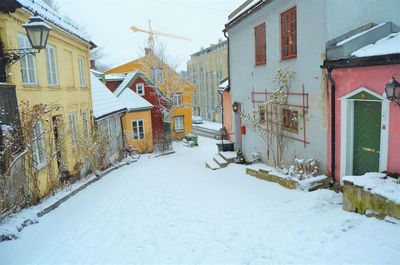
(131, 152)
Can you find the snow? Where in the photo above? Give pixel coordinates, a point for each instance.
(132, 101)
(378, 183)
(114, 77)
(340, 43)
(125, 83)
(104, 101)
(387, 45)
(46, 12)
(229, 154)
(210, 125)
(224, 85)
(174, 210)
(244, 8)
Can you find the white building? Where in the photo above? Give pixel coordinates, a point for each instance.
(107, 112)
(267, 35)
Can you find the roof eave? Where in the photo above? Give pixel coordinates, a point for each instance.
(386, 59)
(249, 11)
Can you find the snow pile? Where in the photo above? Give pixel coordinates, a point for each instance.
(104, 101)
(377, 183)
(210, 125)
(387, 45)
(340, 43)
(46, 12)
(132, 101)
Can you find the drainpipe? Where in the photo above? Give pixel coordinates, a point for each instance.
(333, 123)
(229, 76)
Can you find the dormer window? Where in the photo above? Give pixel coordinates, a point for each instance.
(140, 89)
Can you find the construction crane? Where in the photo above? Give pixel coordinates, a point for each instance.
(151, 33)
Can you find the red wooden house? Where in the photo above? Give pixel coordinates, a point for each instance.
(144, 87)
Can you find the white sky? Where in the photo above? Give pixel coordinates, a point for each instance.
(108, 24)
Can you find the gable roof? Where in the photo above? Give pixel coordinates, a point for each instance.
(104, 102)
(133, 102)
(51, 16)
(130, 78)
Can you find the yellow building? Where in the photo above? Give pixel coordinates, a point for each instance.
(56, 84)
(136, 122)
(171, 84)
(205, 69)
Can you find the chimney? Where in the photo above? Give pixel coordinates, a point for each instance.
(92, 64)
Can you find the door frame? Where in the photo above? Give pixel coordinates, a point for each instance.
(347, 130)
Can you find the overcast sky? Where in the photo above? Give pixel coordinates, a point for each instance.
(108, 24)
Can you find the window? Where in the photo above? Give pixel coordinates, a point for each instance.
(52, 77)
(72, 125)
(82, 77)
(290, 120)
(85, 123)
(28, 65)
(117, 126)
(140, 89)
(261, 113)
(260, 44)
(109, 129)
(178, 124)
(178, 99)
(38, 148)
(138, 129)
(157, 75)
(289, 34)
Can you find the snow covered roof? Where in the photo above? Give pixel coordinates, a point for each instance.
(340, 43)
(50, 15)
(114, 77)
(104, 101)
(224, 84)
(132, 101)
(384, 46)
(243, 10)
(125, 82)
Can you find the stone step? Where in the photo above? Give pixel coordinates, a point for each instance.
(211, 164)
(229, 156)
(220, 161)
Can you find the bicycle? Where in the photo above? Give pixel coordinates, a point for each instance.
(132, 152)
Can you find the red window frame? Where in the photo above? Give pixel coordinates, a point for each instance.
(290, 120)
(289, 34)
(260, 44)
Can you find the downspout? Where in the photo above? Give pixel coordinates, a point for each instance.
(333, 123)
(229, 77)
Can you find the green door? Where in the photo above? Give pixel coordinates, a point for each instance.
(367, 135)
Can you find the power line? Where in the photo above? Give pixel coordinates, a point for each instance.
(187, 5)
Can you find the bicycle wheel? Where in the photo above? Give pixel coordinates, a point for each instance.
(135, 154)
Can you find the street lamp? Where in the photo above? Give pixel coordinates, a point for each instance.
(38, 34)
(392, 89)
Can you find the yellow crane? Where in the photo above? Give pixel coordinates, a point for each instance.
(151, 33)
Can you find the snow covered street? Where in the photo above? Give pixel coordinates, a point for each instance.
(173, 210)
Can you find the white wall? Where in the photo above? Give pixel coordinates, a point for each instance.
(317, 22)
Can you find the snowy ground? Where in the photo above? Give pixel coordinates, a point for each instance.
(172, 210)
(209, 125)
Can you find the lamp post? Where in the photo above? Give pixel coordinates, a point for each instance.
(392, 89)
(37, 31)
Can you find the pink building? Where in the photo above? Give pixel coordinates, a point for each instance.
(364, 128)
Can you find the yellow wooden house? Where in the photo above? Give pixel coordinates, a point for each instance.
(55, 84)
(171, 84)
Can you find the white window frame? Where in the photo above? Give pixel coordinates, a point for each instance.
(179, 123)
(51, 62)
(73, 127)
(82, 76)
(178, 99)
(117, 126)
(137, 136)
(85, 123)
(140, 89)
(38, 147)
(28, 63)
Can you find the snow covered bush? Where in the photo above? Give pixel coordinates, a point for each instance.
(303, 168)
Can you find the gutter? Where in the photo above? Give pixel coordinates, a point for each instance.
(333, 123)
(102, 117)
